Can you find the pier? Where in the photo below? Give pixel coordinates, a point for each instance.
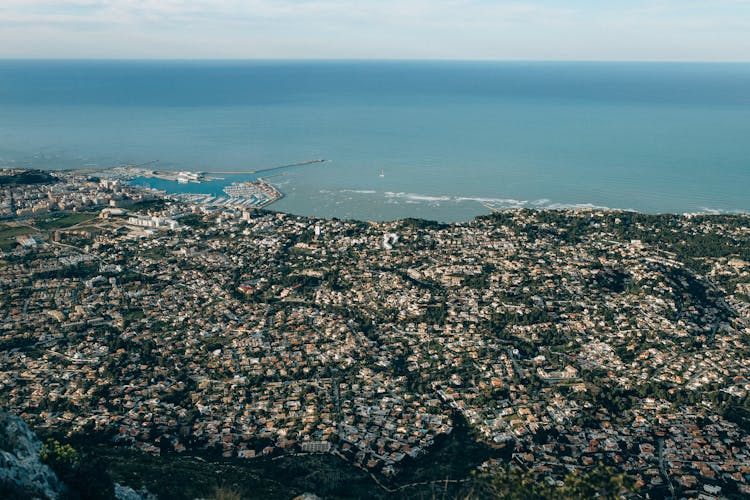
(271, 169)
(132, 170)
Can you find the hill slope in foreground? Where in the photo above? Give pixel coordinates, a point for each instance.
(278, 355)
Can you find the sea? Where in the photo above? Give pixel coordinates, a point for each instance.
(437, 140)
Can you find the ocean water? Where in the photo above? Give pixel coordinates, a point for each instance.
(448, 137)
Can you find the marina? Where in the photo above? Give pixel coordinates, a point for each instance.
(238, 189)
(243, 195)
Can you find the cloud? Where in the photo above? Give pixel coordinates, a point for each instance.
(383, 11)
(484, 29)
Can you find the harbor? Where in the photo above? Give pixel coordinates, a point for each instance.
(184, 177)
(240, 189)
(134, 170)
(238, 195)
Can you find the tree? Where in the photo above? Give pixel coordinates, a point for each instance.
(510, 483)
(63, 458)
(600, 482)
(86, 475)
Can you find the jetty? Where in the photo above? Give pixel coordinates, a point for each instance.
(131, 170)
(270, 169)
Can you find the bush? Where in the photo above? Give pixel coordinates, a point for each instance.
(62, 458)
(224, 493)
(86, 476)
(510, 483)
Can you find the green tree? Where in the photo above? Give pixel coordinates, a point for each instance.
(600, 482)
(510, 483)
(63, 458)
(86, 475)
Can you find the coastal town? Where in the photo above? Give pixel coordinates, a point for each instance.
(559, 339)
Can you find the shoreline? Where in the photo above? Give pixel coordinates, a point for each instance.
(428, 200)
(406, 205)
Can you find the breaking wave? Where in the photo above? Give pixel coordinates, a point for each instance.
(392, 197)
(396, 197)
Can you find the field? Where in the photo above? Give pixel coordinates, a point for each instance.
(64, 220)
(8, 235)
(50, 222)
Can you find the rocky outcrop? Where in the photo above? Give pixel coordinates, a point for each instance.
(128, 493)
(22, 473)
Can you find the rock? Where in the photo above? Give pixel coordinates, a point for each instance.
(128, 493)
(22, 473)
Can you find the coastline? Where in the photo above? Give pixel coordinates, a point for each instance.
(481, 205)
(647, 137)
(389, 336)
(380, 205)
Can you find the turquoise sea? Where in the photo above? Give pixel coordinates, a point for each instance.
(447, 136)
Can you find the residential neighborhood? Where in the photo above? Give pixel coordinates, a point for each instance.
(560, 339)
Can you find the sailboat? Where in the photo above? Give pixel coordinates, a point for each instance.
(382, 174)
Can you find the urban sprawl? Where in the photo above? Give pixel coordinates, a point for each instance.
(563, 338)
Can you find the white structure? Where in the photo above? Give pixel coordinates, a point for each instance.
(316, 447)
(154, 222)
(389, 239)
(111, 212)
(565, 374)
(185, 177)
(26, 241)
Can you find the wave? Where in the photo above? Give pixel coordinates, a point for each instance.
(575, 206)
(496, 203)
(501, 201)
(717, 211)
(394, 197)
(418, 197)
(359, 191)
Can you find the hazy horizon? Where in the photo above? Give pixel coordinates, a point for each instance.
(366, 60)
(538, 30)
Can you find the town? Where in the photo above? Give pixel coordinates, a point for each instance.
(560, 339)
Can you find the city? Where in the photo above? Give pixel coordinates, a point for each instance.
(560, 339)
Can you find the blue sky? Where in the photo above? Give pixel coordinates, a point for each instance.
(683, 30)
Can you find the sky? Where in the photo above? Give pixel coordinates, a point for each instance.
(613, 30)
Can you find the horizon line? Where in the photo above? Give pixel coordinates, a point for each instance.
(325, 60)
